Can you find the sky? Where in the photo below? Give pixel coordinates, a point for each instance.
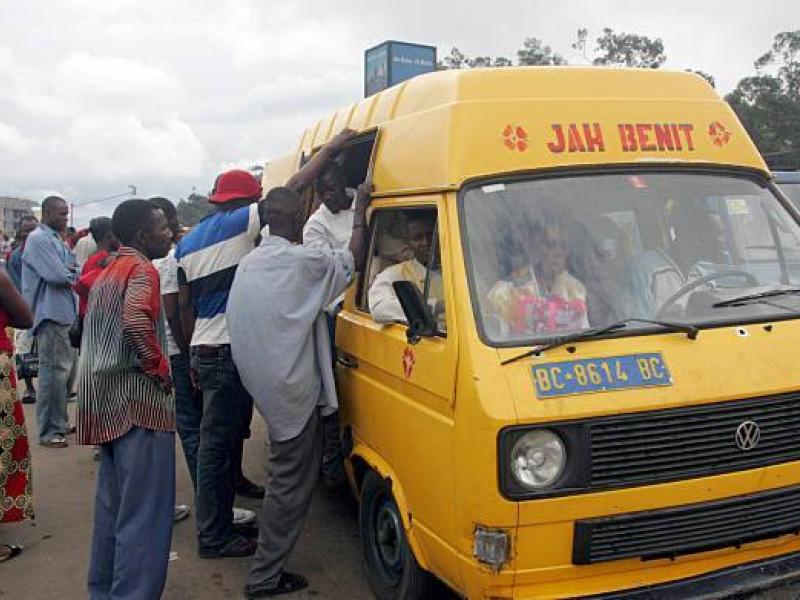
(98, 96)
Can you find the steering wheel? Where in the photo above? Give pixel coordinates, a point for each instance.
(696, 283)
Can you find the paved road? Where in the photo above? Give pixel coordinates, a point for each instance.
(54, 562)
(57, 547)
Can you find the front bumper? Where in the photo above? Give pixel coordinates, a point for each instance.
(749, 577)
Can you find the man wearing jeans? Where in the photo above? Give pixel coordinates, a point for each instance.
(48, 273)
(188, 399)
(207, 260)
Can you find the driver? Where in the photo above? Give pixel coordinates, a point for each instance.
(542, 296)
(383, 302)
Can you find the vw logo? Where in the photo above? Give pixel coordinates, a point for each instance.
(748, 435)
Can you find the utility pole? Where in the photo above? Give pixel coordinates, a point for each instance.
(131, 192)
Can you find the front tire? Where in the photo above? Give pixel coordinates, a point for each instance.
(392, 569)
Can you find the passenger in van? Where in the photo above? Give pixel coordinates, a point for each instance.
(697, 238)
(331, 224)
(620, 287)
(540, 296)
(330, 228)
(383, 302)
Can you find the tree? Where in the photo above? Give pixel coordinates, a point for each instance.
(455, 60)
(785, 52)
(534, 52)
(628, 50)
(769, 105)
(193, 209)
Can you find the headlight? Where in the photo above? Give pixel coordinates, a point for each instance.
(538, 459)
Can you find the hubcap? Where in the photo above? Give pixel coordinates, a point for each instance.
(389, 535)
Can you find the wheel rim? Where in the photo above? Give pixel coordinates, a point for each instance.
(389, 540)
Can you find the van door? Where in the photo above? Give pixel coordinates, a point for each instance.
(398, 396)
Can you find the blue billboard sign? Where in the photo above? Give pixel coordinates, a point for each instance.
(393, 62)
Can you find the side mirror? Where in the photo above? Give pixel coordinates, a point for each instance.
(420, 320)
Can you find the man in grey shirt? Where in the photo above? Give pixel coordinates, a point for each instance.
(279, 341)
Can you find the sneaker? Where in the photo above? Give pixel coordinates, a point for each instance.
(248, 489)
(181, 512)
(29, 398)
(242, 516)
(237, 547)
(287, 583)
(57, 441)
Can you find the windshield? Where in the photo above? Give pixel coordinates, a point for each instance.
(561, 255)
(792, 191)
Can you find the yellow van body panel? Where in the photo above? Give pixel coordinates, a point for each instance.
(442, 129)
(433, 430)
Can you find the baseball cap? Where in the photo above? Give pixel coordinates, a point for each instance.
(235, 185)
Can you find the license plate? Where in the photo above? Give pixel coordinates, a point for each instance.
(600, 375)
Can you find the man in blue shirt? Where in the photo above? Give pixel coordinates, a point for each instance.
(48, 272)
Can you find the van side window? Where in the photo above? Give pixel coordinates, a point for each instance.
(404, 247)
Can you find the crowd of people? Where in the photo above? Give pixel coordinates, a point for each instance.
(162, 331)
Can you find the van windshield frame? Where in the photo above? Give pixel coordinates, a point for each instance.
(757, 177)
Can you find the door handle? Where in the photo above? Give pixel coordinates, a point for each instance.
(346, 361)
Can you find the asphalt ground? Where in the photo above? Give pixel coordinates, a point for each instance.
(53, 565)
(54, 562)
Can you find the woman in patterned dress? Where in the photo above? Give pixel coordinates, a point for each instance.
(15, 458)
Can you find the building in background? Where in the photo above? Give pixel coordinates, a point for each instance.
(13, 209)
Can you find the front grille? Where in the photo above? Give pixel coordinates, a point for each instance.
(690, 442)
(695, 528)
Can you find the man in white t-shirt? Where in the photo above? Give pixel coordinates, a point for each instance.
(188, 399)
(330, 228)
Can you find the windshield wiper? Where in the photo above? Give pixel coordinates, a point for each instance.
(759, 296)
(587, 334)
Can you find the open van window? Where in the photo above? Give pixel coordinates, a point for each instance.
(404, 246)
(560, 255)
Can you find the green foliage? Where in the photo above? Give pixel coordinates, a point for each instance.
(769, 105)
(534, 52)
(193, 209)
(628, 50)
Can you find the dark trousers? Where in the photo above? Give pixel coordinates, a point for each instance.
(188, 413)
(225, 402)
(293, 471)
(332, 454)
(133, 512)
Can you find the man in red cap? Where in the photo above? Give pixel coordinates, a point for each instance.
(207, 258)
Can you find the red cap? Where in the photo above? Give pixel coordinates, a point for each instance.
(235, 185)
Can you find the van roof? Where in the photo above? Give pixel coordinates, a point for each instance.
(441, 129)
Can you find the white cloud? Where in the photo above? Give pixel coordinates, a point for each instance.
(89, 83)
(13, 142)
(113, 147)
(98, 95)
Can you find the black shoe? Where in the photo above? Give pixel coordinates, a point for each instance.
(287, 584)
(248, 489)
(247, 531)
(237, 547)
(29, 398)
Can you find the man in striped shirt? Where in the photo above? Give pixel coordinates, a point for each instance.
(207, 258)
(125, 404)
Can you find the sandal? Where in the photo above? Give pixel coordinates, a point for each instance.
(12, 552)
(287, 583)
